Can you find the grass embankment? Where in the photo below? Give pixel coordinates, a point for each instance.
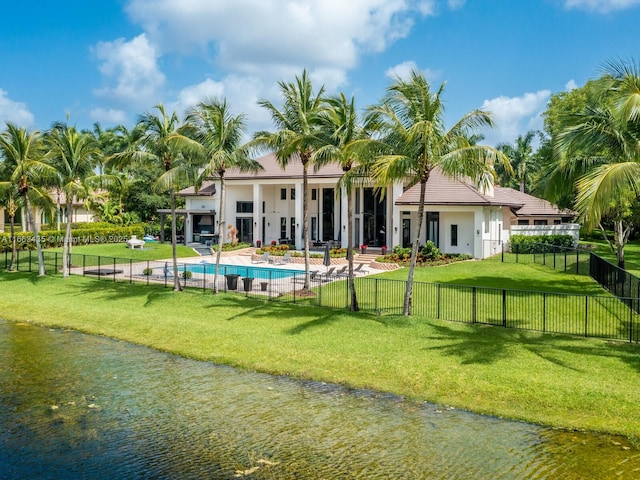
(562, 381)
(631, 254)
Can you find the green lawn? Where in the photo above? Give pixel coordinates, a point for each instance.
(151, 251)
(631, 254)
(548, 379)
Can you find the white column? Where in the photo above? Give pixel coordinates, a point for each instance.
(257, 212)
(478, 233)
(396, 216)
(344, 205)
(298, 214)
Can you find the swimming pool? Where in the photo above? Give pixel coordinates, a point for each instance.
(265, 273)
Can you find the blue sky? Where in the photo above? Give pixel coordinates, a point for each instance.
(110, 60)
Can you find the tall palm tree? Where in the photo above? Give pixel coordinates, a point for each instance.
(296, 138)
(342, 133)
(410, 120)
(522, 159)
(74, 155)
(155, 147)
(24, 152)
(216, 138)
(602, 144)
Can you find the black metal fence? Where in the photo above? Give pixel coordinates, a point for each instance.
(575, 260)
(589, 316)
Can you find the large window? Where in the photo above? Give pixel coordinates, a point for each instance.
(293, 194)
(283, 227)
(539, 222)
(283, 194)
(244, 207)
(454, 235)
(293, 229)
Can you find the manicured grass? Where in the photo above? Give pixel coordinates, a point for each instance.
(151, 251)
(548, 379)
(631, 254)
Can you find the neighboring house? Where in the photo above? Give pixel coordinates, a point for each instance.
(267, 207)
(80, 213)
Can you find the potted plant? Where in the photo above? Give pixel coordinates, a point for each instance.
(384, 249)
(258, 243)
(363, 248)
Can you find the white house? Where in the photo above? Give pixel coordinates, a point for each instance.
(267, 207)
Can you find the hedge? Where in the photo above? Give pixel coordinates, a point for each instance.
(82, 236)
(539, 243)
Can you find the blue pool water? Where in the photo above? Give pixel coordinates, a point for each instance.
(253, 272)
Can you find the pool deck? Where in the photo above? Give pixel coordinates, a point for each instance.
(135, 272)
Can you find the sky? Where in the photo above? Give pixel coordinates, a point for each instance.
(109, 61)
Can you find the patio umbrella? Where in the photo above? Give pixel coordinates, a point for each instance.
(327, 256)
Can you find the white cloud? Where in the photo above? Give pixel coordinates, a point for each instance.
(108, 115)
(404, 69)
(191, 95)
(570, 85)
(601, 6)
(133, 66)
(15, 112)
(515, 116)
(249, 35)
(456, 4)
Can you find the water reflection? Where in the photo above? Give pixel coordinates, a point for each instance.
(77, 406)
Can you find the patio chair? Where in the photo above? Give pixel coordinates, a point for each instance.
(286, 258)
(263, 259)
(360, 269)
(314, 276)
(325, 277)
(342, 272)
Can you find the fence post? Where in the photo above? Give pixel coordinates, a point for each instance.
(29, 261)
(130, 271)
(114, 269)
(544, 311)
(438, 300)
(55, 261)
(504, 308)
(375, 296)
(631, 325)
(473, 303)
(577, 261)
(586, 316)
(502, 254)
(84, 263)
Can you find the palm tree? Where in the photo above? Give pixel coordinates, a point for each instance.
(602, 144)
(297, 137)
(216, 138)
(74, 156)
(521, 157)
(154, 147)
(343, 133)
(410, 121)
(24, 152)
(11, 201)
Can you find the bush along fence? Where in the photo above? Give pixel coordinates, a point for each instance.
(589, 316)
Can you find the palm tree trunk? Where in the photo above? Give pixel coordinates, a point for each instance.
(619, 239)
(305, 224)
(36, 236)
(414, 252)
(14, 244)
(66, 244)
(221, 226)
(174, 241)
(352, 284)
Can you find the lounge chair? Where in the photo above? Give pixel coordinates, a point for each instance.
(360, 269)
(325, 277)
(263, 259)
(286, 258)
(342, 272)
(314, 276)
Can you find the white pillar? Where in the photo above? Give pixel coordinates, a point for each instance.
(299, 214)
(478, 233)
(257, 212)
(344, 205)
(396, 216)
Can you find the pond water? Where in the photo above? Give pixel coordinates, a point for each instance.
(77, 406)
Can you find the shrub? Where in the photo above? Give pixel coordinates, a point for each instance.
(186, 274)
(539, 243)
(429, 251)
(147, 271)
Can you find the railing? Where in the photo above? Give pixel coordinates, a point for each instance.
(575, 260)
(589, 316)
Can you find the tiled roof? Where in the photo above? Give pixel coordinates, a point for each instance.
(207, 189)
(444, 190)
(293, 170)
